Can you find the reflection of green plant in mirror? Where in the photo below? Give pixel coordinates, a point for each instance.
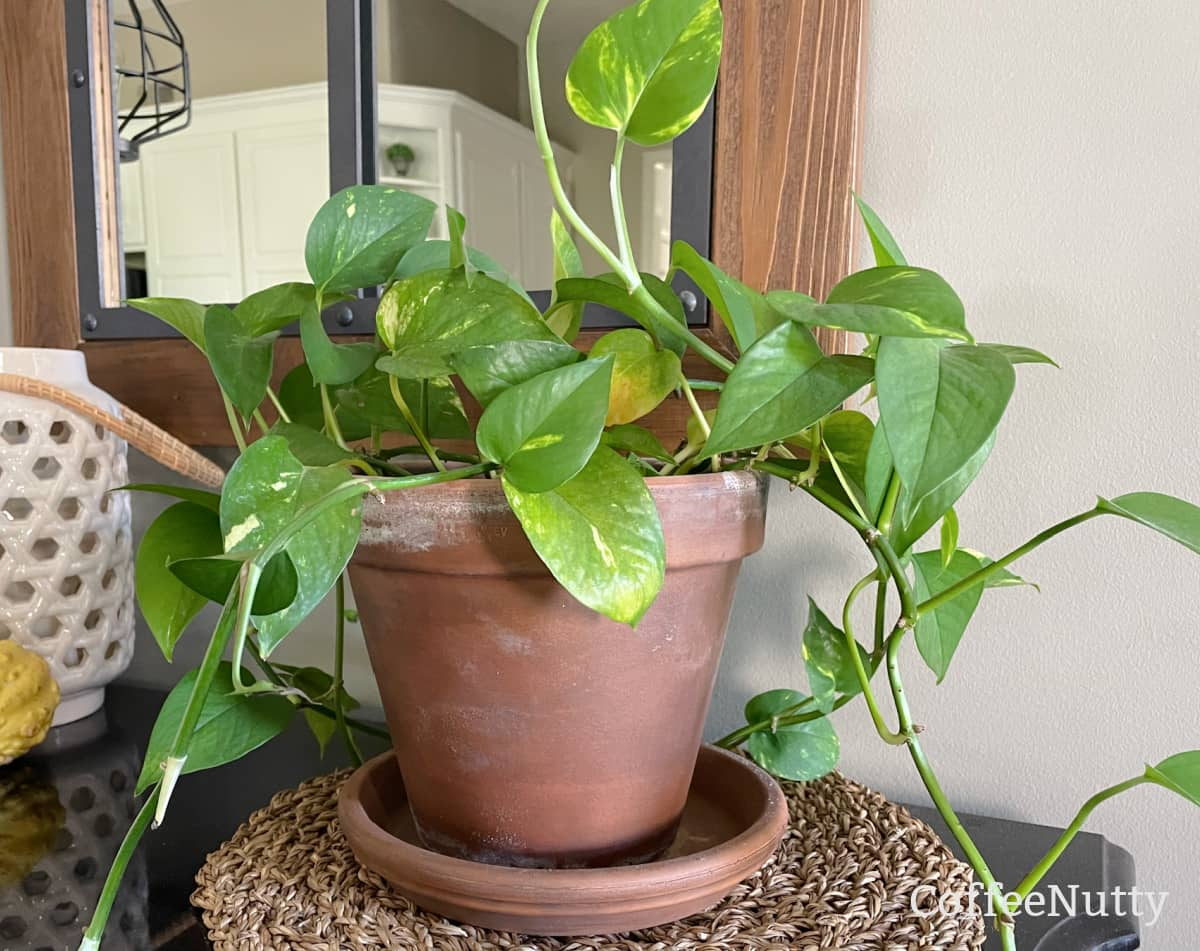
(559, 429)
(401, 155)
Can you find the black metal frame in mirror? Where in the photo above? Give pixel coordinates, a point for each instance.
(350, 31)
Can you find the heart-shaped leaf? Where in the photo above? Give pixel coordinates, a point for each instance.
(214, 576)
(435, 256)
(858, 318)
(273, 308)
(1175, 518)
(564, 319)
(642, 377)
(939, 631)
(263, 492)
(186, 316)
(361, 233)
(641, 442)
(887, 251)
(543, 431)
(427, 318)
(434, 401)
(801, 752)
(489, 370)
(729, 297)
(828, 660)
(781, 385)
(230, 725)
(599, 535)
(241, 362)
(766, 706)
(939, 404)
(648, 71)
(896, 301)
(185, 530)
(1179, 773)
(328, 362)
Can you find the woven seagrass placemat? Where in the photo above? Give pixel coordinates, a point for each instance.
(844, 877)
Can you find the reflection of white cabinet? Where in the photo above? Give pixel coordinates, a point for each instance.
(229, 199)
(193, 245)
(133, 211)
(283, 178)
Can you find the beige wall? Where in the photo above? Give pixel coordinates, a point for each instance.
(432, 43)
(1043, 158)
(243, 45)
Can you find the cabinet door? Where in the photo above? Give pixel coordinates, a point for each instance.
(193, 245)
(490, 193)
(133, 209)
(283, 179)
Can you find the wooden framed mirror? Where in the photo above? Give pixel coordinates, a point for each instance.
(765, 181)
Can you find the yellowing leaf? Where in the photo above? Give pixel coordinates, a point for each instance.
(642, 377)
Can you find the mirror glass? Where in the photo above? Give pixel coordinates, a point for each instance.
(219, 209)
(454, 125)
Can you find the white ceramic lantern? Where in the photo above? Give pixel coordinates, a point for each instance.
(66, 566)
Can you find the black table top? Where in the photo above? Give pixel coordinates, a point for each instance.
(93, 765)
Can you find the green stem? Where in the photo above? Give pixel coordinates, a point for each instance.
(909, 731)
(624, 245)
(234, 425)
(982, 575)
(740, 735)
(177, 754)
(272, 675)
(697, 412)
(667, 327)
(112, 884)
(713, 386)
(888, 510)
(1039, 871)
(332, 429)
(278, 405)
(339, 641)
(538, 115)
(443, 453)
(262, 423)
(417, 430)
(864, 681)
(880, 614)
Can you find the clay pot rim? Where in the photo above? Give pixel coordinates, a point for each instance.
(620, 883)
(744, 480)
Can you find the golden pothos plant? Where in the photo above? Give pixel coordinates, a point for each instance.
(559, 430)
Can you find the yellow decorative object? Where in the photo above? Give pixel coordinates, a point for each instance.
(28, 697)
(30, 817)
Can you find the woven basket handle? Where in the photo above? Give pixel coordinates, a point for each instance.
(135, 429)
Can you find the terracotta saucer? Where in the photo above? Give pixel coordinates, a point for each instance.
(734, 819)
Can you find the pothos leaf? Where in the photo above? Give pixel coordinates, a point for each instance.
(266, 488)
(648, 71)
(544, 431)
(184, 530)
(230, 725)
(599, 534)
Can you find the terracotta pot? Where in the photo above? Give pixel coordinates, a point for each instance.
(530, 730)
